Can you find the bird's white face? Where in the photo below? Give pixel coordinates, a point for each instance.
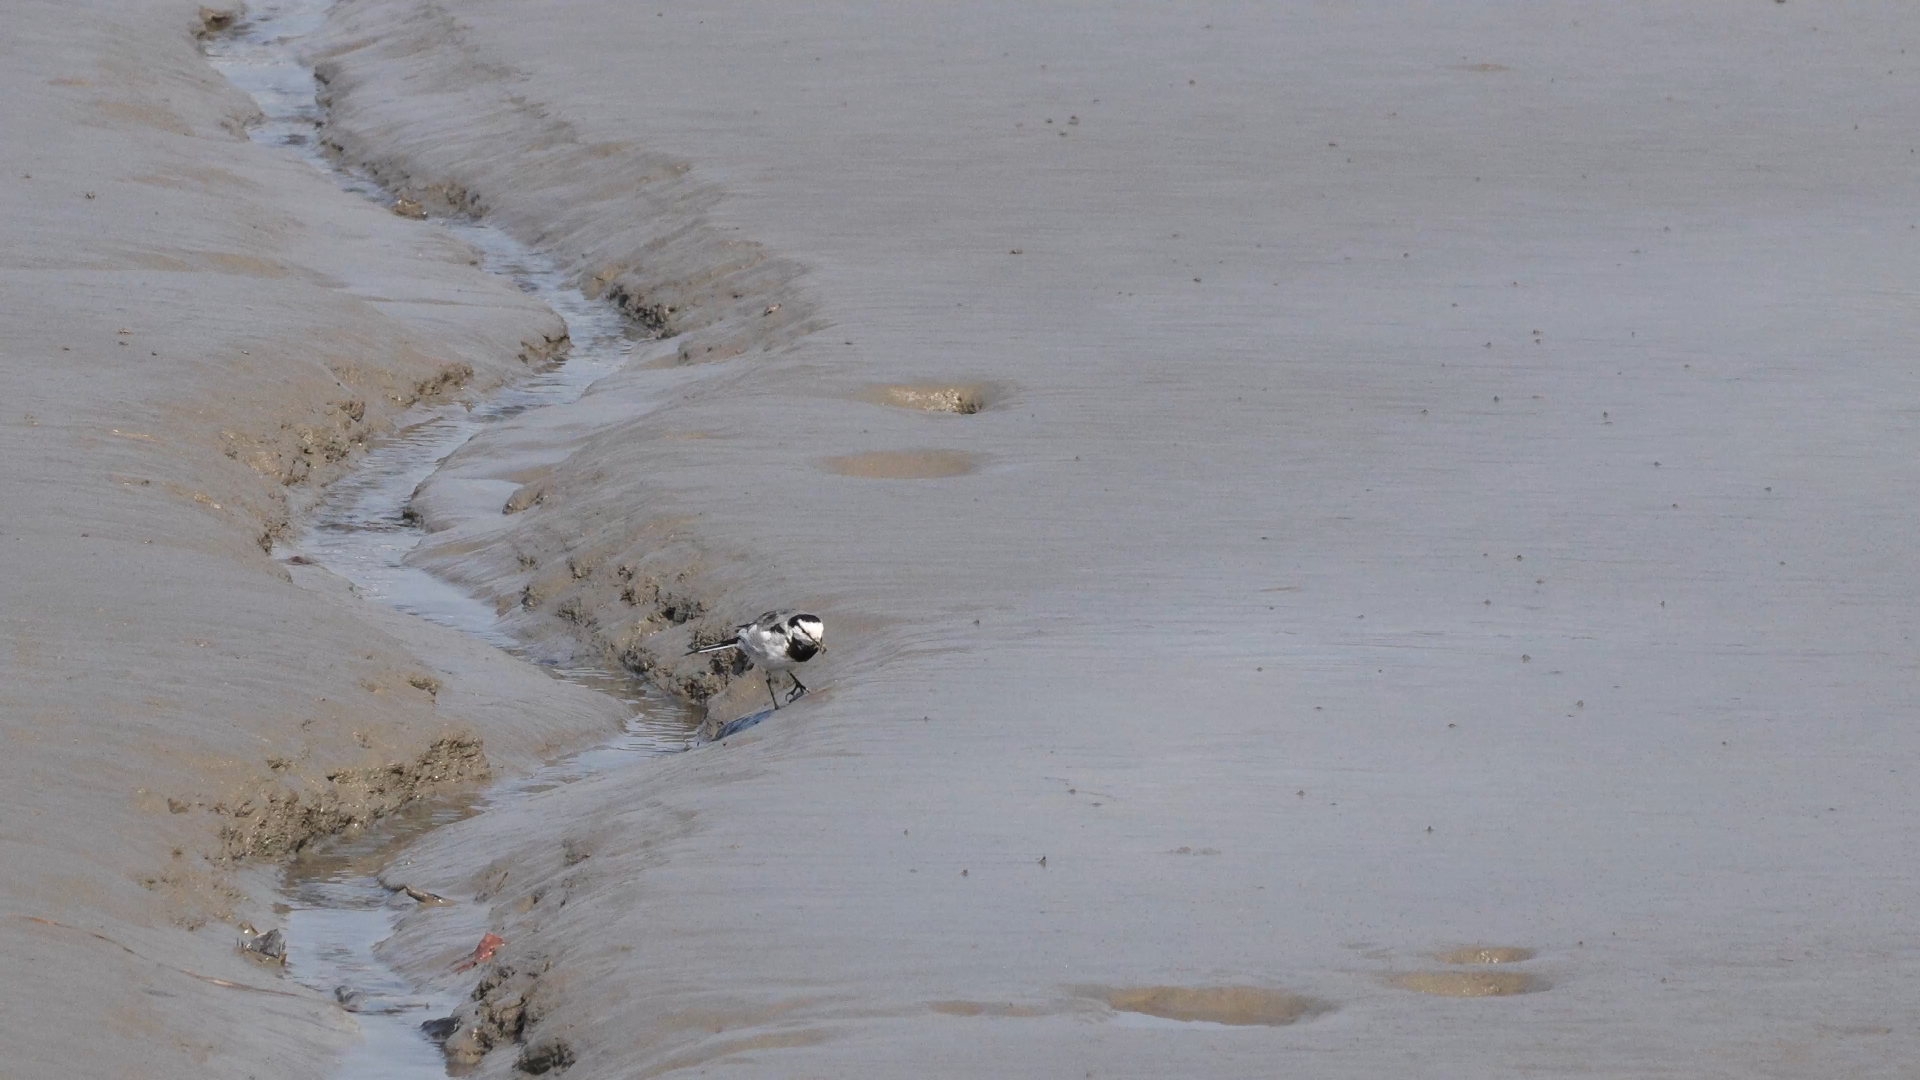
(810, 628)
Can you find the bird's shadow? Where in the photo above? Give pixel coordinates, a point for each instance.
(735, 727)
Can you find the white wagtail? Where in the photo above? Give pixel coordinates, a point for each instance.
(777, 641)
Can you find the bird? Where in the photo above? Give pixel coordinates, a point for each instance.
(777, 641)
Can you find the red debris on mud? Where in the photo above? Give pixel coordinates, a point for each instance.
(482, 952)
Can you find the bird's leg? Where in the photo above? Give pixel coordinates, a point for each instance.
(770, 694)
(798, 687)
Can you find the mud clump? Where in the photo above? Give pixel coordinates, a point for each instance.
(959, 400)
(218, 20)
(656, 318)
(498, 1013)
(1237, 1005)
(524, 497)
(280, 821)
(547, 352)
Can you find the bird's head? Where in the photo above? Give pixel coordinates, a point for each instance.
(810, 629)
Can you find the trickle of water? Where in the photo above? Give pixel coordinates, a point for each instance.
(336, 908)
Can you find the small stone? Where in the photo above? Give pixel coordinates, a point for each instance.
(270, 946)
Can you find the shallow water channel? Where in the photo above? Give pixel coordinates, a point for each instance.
(334, 907)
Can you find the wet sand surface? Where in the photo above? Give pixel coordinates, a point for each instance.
(201, 332)
(1354, 541)
(1443, 484)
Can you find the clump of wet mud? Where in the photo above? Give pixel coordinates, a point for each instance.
(547, 352)
(279, 821)
(524, 497)
(960, 400)
(1237, 1005)
(498, 1013)
(211, 20)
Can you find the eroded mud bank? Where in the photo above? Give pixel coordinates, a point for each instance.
(1369, 547)
(202, 333)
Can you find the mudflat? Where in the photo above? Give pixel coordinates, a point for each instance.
(1444, 483)
(200, 332)
(1353, 540)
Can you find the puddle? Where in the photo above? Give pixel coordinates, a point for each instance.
(336, 910)
(1222, 1006)
(902, 464)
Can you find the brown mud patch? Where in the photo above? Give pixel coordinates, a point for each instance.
(958, 399)
(1485, 954)
(280, 821)
(1470, 983)
(902, 464)
(1238, 1005)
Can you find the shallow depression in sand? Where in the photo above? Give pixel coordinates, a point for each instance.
(1235, 1005)
(1485, 954)
(1470, 983)
(902, 464)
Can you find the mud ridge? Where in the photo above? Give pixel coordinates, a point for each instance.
(667, 268)
(277, 819)
(626, 594)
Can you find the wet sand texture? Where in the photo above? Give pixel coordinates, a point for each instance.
(197, 333)
(1324, 512)
(1484, 954)
(1456, 471)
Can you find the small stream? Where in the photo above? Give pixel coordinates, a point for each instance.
(334, 907)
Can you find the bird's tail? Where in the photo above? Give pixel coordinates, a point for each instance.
(714, 648)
